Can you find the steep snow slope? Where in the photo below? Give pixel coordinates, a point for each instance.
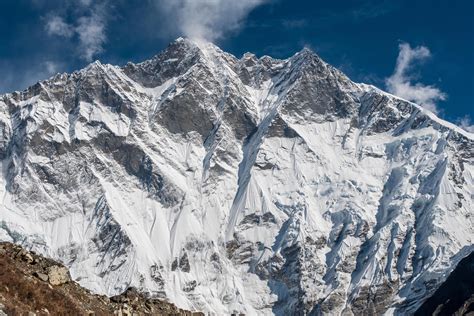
(245, 185)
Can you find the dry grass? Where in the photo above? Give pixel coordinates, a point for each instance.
(21, 292)
(24, 293)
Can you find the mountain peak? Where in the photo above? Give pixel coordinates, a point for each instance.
(204, 46)
(280, 185)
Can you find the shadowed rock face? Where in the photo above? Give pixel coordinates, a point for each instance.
(455, 296)
(227, 185)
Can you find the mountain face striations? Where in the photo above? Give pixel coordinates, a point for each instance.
(225, 185)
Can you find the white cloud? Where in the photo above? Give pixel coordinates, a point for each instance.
(89, 28)
(401, 83)
(85, 3)
(56, 26)
(206, 20)
(51, 67)
(91, 32)
(13, 79)
(466, 123)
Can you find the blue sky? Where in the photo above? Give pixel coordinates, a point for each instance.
(420, 49)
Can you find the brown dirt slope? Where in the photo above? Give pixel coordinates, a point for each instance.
(31, 284)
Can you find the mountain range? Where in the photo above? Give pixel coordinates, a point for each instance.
(227, 185)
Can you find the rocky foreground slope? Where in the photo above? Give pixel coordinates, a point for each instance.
(226, 185)
(33, 285)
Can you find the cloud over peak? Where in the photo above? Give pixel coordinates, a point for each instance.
(88, 27)
(466, 123)
(205, 20)
(401, 83)
(91, 32)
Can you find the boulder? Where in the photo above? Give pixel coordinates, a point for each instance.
(58, 275)
(42, 276)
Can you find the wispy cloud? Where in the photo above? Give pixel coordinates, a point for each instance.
(85, 2)
(88, 27)
(55, 25)
(206, 20)
(466, 123)
(294, 23)
(370, 10)
(91, 32)
(12, 79)
(401, 82)
(51, 67)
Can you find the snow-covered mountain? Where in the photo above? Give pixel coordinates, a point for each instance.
(251, 185)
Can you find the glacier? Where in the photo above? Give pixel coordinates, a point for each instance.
(227, 185)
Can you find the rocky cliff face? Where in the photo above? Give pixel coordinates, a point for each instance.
(456, 295)
(250, 185)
